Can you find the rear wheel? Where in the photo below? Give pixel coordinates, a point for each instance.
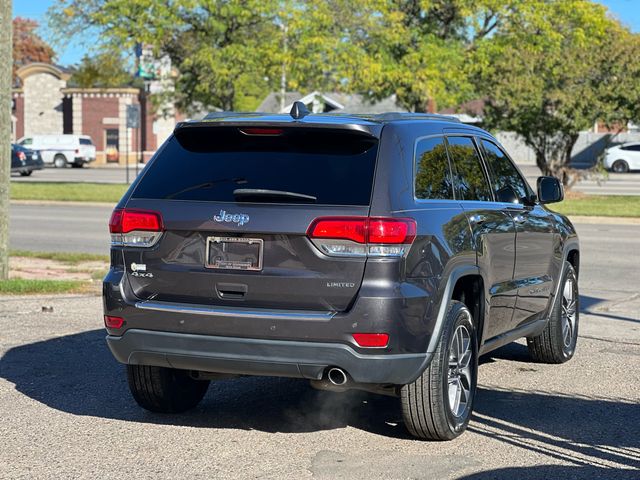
(164, 390)
(60, 161)
(26, 173)
(557, 343)
(438, 405)
(620, 166)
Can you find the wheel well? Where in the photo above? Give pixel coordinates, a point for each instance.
(470, 291)
(573, 257)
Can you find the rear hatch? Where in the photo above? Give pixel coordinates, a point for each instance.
(236, 203)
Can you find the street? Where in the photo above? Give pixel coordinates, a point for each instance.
(67, 411)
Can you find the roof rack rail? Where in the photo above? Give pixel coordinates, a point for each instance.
(390, 116)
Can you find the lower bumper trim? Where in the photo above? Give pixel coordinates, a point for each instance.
(244, 356)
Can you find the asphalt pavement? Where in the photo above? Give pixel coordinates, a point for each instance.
(66, 412)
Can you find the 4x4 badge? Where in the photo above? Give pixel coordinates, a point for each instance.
(239, 218)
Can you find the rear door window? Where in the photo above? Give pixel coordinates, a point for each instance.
(214, 163)
(468, 173)
(507, 183)
(85, 141)
(433, 175)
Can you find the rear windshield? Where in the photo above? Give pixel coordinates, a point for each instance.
(226, 164)
(85, 141)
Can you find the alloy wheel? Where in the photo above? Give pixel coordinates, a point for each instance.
(460, 371)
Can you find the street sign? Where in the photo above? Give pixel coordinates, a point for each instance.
(133, 116)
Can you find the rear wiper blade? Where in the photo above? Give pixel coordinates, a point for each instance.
(203, 185)
(261, 193)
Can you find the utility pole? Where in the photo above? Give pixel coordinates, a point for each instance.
(283, 76)
(6, 62)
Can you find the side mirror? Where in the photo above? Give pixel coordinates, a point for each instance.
(550, 190)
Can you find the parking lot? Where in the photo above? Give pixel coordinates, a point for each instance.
(67, 412)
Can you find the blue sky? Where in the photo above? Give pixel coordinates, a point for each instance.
(627, 11)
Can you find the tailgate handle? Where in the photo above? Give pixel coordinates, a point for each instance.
(231, 291)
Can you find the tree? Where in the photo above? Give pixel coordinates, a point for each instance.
(28, 46)
(106, 69)
(223, 50)
(557, 69)
(5, 133)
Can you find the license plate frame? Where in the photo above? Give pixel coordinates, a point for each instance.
(217, 244)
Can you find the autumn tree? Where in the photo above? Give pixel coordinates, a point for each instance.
(553, 72)
(104, 69)
(28, 46)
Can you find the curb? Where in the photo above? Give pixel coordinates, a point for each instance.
(604, 220)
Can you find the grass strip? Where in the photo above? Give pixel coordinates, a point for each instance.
(68, 192)
(21, 286)
(600, 206)
(72, 258)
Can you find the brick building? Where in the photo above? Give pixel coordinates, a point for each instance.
(44, 105)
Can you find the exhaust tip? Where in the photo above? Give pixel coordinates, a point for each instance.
(337, 376)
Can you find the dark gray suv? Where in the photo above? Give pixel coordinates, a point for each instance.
(377, 252)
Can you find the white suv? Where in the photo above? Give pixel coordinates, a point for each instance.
(62, 150)
(623, 158)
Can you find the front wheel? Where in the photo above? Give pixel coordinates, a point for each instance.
(557, 343)
(164, 390)
(438, 405)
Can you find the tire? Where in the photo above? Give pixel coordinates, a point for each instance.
(557, 343)
(60, 161)
(26, 173)
(164, 390)
(620, 166)
(428, 410)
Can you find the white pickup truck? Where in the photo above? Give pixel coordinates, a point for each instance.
(62, 150)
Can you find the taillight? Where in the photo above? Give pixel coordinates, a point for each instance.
(22, 157)
(361, 236)
(135, 228)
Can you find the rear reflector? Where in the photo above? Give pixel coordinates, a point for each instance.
(370, 340)
(113, 322)
(360, 236)
(135, 228)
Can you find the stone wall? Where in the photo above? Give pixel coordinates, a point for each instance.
(42, 104)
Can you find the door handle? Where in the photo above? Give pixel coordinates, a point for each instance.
(519, 218)
(477, 219)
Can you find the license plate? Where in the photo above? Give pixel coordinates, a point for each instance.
(233, 253)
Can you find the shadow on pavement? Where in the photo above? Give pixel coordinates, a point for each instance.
(77, 374)
(553, 472)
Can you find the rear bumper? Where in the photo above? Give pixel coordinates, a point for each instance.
(245, 356)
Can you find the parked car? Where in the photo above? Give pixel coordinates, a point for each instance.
(62, 150)
(25, 161)
(376, 252)
(623, 158)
